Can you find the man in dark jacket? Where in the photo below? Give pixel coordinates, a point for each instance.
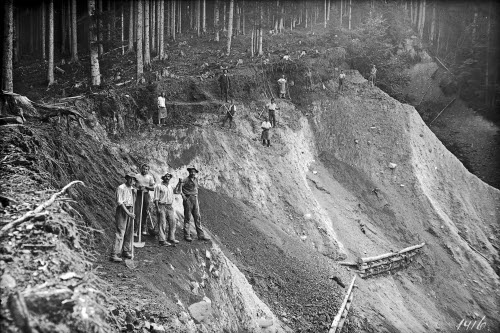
(225, 84)
(188, 189)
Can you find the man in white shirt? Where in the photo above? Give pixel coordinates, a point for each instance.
(162, 109)
(163, 199)
(266, 125)
(124, 215)
(282, 84)
(145, 183)
(341, 80)
(272, 107)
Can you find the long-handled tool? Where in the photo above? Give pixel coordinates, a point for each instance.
(139, 231)
(130, 263)
(151, 231)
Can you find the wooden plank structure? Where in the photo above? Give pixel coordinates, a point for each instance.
(387, 262)
(338, 321)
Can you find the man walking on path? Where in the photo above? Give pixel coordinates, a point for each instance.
(373, 75)
(163, 199)
(225, 84)
(162, 109)
(282, 85)
(145, 183)
(124, 217)
(230, 114)
(265, 136)
(272, 107)
(341, 80)
(188, 188)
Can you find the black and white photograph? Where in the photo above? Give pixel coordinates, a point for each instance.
(250, 166)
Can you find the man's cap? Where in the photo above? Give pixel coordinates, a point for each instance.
(167, 175)
(192, 168)
(144, 164)
(130, 175)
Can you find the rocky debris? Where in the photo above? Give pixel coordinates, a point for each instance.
(200, 311)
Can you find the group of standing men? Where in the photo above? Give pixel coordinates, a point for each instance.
(134, 196)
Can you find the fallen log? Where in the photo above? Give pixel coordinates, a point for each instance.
(339, 319)
(453, 100)
(37, 210)
(19, 312)
(11, 120)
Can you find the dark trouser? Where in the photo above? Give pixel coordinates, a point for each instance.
(265, 137)
(122, 233)
(166, 217)
(162, 114)
(224, 91)
(341, 84)
(230, 118)
(145, 207)
(191, 206)
(272, 117)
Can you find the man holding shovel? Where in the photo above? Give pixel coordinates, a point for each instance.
(125, 195)
(163, 199)
(188, 188)
(145, 183)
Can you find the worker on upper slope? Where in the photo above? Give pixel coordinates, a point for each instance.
(341, 80)
(230, 112)
(162, 109)
(163, 199)
(188, 189)
(272, 107)
(373, 75)
(225, 84)
(282, 86)
(145, 183)
(265, 136)
(125, 196)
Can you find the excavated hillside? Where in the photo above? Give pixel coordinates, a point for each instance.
(281, 217)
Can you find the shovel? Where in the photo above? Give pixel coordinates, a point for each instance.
(130, 263)
(140, 244)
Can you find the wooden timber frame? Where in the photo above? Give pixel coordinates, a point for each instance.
(338, 321)
(387, 262)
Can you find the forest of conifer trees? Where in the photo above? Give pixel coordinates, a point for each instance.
(462, 36)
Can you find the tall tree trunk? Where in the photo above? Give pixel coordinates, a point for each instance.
(172, 20)
(204, 16)
(216, 20)
(198, 23)
(261, 19)
(238, 19)
(340, 21)
(44, 33)
(32, 31)
(432, 31)
(224, 28)
(50, 73)
(350, 13)
(74, 38)
(474, 26)
(139, 57)
(122, 21)
(147, 51)
(131, 27)
(108, 19)
(326, 14)
(230, 27)
(100, 27)
(421, 19)
(63, 27)
(252, 42)
(328, 10)
(8, 35)
(152, 31)
(243, 14)
(95, 74)
(161, 31)
(179, 15)
(487, 72)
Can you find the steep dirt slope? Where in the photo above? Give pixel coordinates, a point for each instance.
(429, 196)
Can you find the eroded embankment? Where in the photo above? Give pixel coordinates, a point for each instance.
(429, 196)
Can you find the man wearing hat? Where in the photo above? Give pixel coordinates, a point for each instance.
(163, 199)
(225, 84)
(145, 183)
(125, 195)
(188, 188)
